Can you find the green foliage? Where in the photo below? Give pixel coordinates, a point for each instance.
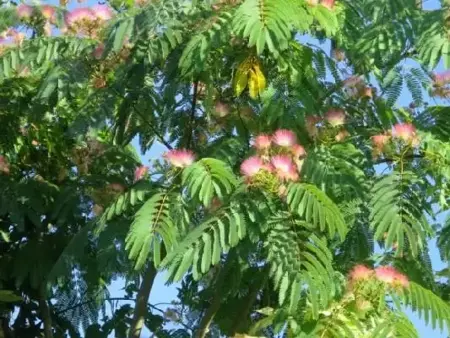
(173, 75)
(152, 226)
(124, 203)
(209, 178)
(429, 306)
(395, 213)
(203, 245)
(316, 208)
(298, 259)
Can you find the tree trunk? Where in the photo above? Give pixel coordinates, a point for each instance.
(140, 310)
(45, 312)
(208, 317)
(243, 315)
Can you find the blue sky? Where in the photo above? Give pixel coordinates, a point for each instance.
(164, 294)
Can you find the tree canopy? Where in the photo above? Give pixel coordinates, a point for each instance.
(297, 195)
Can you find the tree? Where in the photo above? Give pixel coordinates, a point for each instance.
(288, 160)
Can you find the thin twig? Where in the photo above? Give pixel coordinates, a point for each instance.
(390, 160)
(152, 127)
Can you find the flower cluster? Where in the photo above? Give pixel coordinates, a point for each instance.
(338, 54)
(401, 132)
(330, 127)
(35, 14)
(326, 3)
(385, 274)
(441, 79)
(355, 87)
(140, 173)
(279, 159)
(25, 12)
(441, 82)
(88, 20)
(11, 37)
(221, 109)
(4, 165)
(180, 158)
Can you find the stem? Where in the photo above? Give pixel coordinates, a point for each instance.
(45, 312)
(243, 315)
(389, 160)
(140, 310)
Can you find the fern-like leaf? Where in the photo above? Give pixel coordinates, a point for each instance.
(151, 226)
(208, 178)
(317, 208)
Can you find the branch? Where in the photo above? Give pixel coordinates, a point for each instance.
(45, 312)
(191, 120)
(152, 127)
(109, 299)
(390, 160)
(243, 315)
(207, 319)
(140, 310)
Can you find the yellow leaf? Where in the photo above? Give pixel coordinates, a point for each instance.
(240, 79)
(253, 88)
(260, 78)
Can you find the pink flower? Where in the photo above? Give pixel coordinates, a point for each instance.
(367, 92)
(180, 158)
(441, 79)
(379, 141)
(360, 272)
(102, 12)
(282, 191)
(386, 274)
(48, 29)
(252, 166)
(298, 150)
(24, 11)
(221, 109)
(292, 175)
(262, 142)
(48, 12)
(339, 54)
(97, 210)
(4, 165)
(404, 131)
(79, 16)
(312, 120)
(342, 135)
(284, 167)
(140, 172)
(18, 38)
(402, 280)
(117, 187)
(353, 81)
(98, 51)
(311, 125)
(335, 117)
(284, 138)
(268, 167)
(390, 275)
(328, 3)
